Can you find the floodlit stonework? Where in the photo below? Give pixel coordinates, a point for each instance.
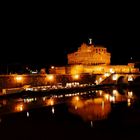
(94, 69)
(89, 55)
(92, 60)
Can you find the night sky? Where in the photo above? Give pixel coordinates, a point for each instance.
(45, 35)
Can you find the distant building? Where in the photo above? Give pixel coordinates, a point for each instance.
(89, 55)
(92, 60)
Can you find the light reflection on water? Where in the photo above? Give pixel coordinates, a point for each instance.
(91, 109)
(90, 106)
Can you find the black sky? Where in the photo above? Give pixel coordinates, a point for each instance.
(45, 34)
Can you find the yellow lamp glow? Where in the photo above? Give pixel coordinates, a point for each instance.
(76, 76)
(19, 107)
(50, 77)
(19, 78)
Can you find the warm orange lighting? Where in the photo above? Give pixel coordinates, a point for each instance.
(50, 77)
(19, 78)
(77, 98)
(111, 70)
(91, 109)
(115, 92)
(103, 105)
(96, 82)
(89, 54)
(19, 107)
(100, 92)
(106, 74)
(76, 102)
(106, 96)
(128, 101)
(76, 69)
(100, 79)
(97, 100)
(52, 67)
(76, 76)
(130, 94)
(50, 101)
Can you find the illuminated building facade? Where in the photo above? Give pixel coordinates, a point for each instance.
(94, 69)
(94, 60)
(89, 55)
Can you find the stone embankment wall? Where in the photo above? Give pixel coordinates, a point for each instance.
(14, 81)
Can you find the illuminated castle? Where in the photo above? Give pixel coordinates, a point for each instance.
(93, 60)
(89, 55)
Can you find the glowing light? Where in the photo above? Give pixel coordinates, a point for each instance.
(76, 102)
(130, 94)
(52, 67)
(96, 82)
(50, 102)
(128, 102)
(106, 96)
(112, 99)
(97, 100)
(100, 92)
(90, 40)
(100, 79)
(115, 77)
(130, 78)
(103, 105)
(76, 76)
(28, 114)
(115, 92)
(19, 107)
(91, 123)
(50, 77)
(75, 107)
(77, 98)
(44, 98)
(28, 100)
(18, 78)
(91, 109)
(53, 110)
(106, 74)
(112, 71)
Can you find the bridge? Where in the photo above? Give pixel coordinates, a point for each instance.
(118, 78)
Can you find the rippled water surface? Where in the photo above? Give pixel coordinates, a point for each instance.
(110, 113)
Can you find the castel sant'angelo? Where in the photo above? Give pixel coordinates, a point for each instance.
(92, 59)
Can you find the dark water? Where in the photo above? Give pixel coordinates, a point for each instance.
(108, 114)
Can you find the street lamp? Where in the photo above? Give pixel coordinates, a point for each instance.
(50, 77)
(76, 76)
(19, 79)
